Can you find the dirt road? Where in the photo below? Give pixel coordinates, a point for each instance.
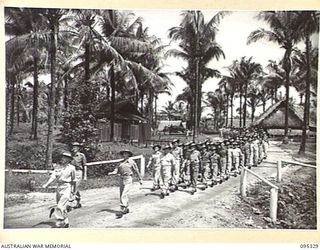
(206, 209)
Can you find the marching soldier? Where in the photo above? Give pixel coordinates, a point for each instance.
(65, 177)
(178, 157)
(265, 144)
(126, 169)
(154, 161)
(205, 166)
(247, 153)
(185, 168)
(223, 153)
(236, 156)
(79, 161)
(214, 159)
(195, 165)
(167, 162)
(229, 156)
(255, 149)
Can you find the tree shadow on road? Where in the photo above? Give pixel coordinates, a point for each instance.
(154, 194)
(110, 211)
(52, 224)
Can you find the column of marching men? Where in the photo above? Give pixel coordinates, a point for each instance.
(191, 165)
(204, 164)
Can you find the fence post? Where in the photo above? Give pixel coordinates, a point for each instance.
(142, 165)
(273, 204)
(85, 172)
(243, 183)
(279, 172)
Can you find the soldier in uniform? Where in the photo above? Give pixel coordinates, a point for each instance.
(265, 144)
(214, 159)
(195, 166)
(229, 156)
(224, 174)
(154, 161)
(177, 153)
(255, 149)
(65, 177)
(236, 156)
(247, 153)
(79, 161)
(126, 169)
(205, 166)
(167, 162)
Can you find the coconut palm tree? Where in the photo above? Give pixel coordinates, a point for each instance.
(197, 46)
(283, 31)
(309, 24)
(29, 32)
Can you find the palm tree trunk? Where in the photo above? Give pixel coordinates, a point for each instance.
(196, 101)
(227, 113)
(240, 109)
(286, 118)
(231, 110)
(307, 100)
(12, 108)
(252, 112)
(155, 110)
(141, 102)
(263, 105)
(53, 50)
(66, 93)
(245, 104)
(112, 82)
(18, 102)
(34, 132)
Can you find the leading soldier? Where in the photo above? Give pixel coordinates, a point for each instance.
(79, 161)
(64, 174)
(195, 165)
(126, 169)
(167, 162)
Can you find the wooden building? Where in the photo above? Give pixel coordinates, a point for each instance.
(130, 125)
(274, 117)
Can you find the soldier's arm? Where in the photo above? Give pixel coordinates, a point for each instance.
(51, 179)
(114, 172)
(149, 162)
(84, 160)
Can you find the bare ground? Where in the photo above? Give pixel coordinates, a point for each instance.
(217, 207)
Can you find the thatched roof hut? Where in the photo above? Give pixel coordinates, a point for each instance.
(274, 117)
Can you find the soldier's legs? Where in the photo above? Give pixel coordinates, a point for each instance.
(156, 177)
(194, 172)
(176, 174)
(78, 179)
(63, 196)
(125, 185)
(166, 177)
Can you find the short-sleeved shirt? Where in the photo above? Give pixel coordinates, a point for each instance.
(177, 153)
(205, 157)
(125, 168)
(64, 175)
(215, 158)
(155, 159)
(79, 160)
(167, 159)
(195, 156)
(223, 152)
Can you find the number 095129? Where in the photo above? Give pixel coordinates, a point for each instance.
(309, 246)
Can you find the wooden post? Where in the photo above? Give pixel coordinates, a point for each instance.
(142, 165)
(273, 204)
(243, 183)
(279, 172)
(85, 172)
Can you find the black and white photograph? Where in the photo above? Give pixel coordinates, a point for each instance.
(160, 118)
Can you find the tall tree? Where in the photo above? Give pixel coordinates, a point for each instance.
(197, 46)
(283, 31)
(309, 24)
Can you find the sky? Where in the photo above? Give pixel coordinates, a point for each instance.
(234, 30)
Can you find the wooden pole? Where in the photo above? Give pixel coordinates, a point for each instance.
(243, 183)
(142, 165)
(273, 204)
(279, 172)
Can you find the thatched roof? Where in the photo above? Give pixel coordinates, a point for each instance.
(273, 117)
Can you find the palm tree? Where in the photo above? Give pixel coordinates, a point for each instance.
(283, 31)
(247, 72)
(28, 29)
(197, 46)
(309, 24)
(54, 17)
